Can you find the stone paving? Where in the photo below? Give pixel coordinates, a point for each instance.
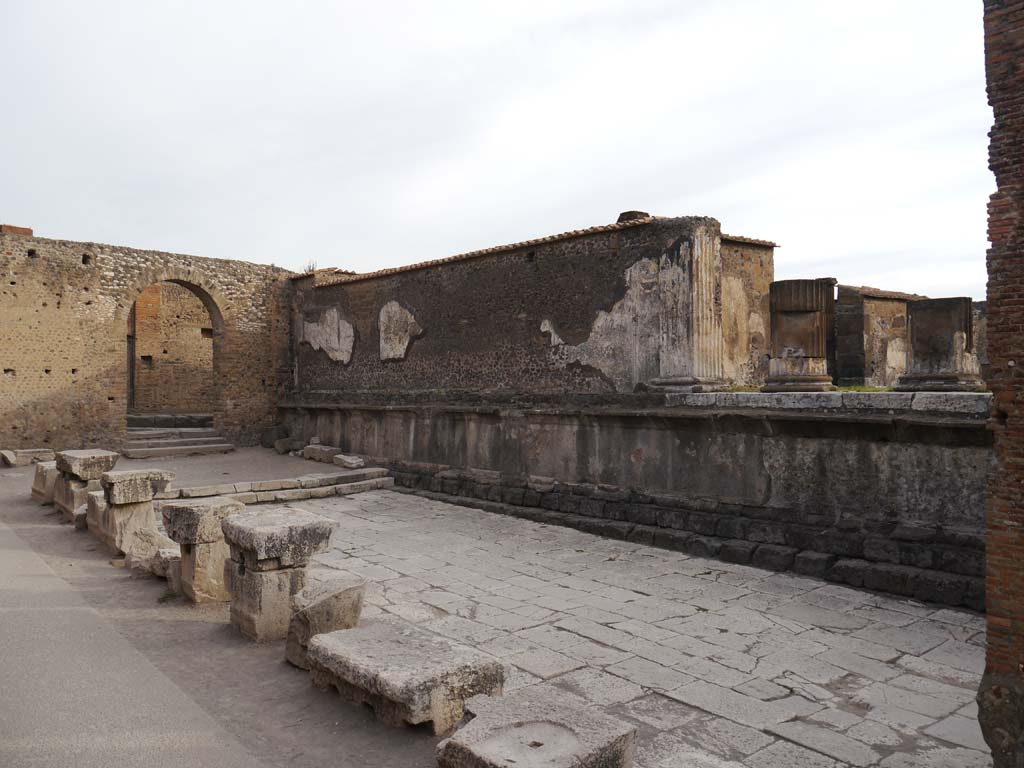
(719, 665)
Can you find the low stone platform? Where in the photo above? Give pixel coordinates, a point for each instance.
(407, 674)
(539, 727)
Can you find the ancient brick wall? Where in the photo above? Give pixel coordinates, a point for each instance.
(173, 347)
(64, 310)
(1002, 709)
(581, 312)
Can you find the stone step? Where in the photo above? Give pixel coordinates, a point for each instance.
(148, 433)
(177, 450)
(170, 420)
(172, 442)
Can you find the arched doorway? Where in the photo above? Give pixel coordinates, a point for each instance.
(170, 352)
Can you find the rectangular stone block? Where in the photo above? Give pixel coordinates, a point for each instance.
(261, 601)
(198, 521)
(70, 493)
(22, 457)
(43, 482)
(116, 525)
(331, 600)
(86, 465)
(408, 675)
(324, 453)
(279, 538)
(537, 726)
(132, 486)
(202, 572)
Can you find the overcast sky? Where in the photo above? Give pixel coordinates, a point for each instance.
(363, 135)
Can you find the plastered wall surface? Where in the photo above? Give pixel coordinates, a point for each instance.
(63, 338)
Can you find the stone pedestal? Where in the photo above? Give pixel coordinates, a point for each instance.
(269, 552)
(802, 330)
(43, 482)
(196, 525)
(86, 465)
(80, 473)
(942, 355)
(70, 493)
(121, 515)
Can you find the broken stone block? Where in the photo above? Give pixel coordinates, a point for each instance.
(537, 726)
(198, 521)
(131, 486)
(325, 453)
(142, 552)
(22, 457)
(405, 673)
(69, 493)
(331, 600)
(288, 444)
(116, 525)
(86, 465)
(261, 601)
(167, 565)
(283, 538)
(349, 462)
(43, 482)
(202, 572)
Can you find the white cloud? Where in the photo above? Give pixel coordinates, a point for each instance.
(363, 136)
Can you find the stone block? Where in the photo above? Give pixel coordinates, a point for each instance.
(878, 401)
(43, 482)
(198, 521)
(966, 403)
(286, 444)
(737, 551)
(774, 558)
(331, 600)
(813, 563)
(281, 538)
(202, 571)
(324, 453)
(142, 552)
(132, 486)
(22, 457)
(69, 493)
(408, 675)
(116, 525)
(349, 462)
(167, 565)
(86, 465)
(537, 726)
(261, 601)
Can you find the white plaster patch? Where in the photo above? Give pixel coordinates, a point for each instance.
(547, 327)
(332, 334)
(397, 328)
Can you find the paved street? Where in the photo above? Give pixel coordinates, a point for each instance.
(719, 665)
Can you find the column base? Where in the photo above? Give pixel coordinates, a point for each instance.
(685, 385)
(1001, 715)
(939, 382)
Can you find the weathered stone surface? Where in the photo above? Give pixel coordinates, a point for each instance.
(198, 521)
(398, 327)
(405, 673)
(116, 525)
(43, 482)
(285, 444)
(261, 601)
(943, 353)
(280, 538)
(167, 564)
(202, 571)
(349, 462)
(537, 726)
(69, 493)
(331, 600)
(324, 453)
(142, 552)
(132, 486)
(86, 465)
(21, 457)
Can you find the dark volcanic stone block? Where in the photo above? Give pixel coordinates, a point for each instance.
(737, 551)
(811, 563)
(848, 571)
(704, 546)
(774, 557)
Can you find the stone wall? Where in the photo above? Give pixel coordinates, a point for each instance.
(63, 337)
(884, 490)
(608, 309)
(172, 370)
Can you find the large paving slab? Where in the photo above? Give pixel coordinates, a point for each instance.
(717, 664)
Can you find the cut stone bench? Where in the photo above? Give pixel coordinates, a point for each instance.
(331, 600)
(269, 552)
(405, 673)
(537, 727)
(43, 482)
(196, 525)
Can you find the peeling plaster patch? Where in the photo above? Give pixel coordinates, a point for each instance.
(331, 333)
(547, 327)
(397, 328)
(624, 341)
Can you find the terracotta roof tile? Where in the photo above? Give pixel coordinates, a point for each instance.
(749, 240)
